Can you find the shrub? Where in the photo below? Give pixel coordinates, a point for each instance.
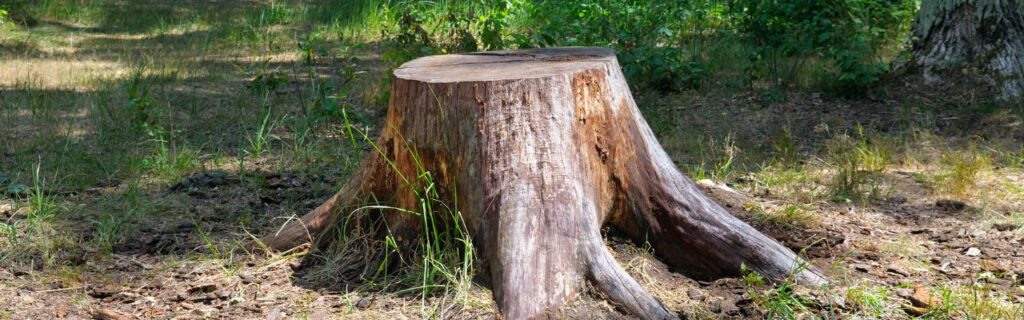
(648, 35)
(847, 36)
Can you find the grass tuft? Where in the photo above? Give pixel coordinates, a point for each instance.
(859, 165)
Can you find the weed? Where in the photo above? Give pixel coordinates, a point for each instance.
(859, 166)
(229, 264)
(780, 301)
(798, 182)
(260, 140)
(43, 205)
(10, 230)
(784, 148)
(960, 172)
(871, 301)
(266, 78)
(723, 161)
(140, 102)
(166, 161)
(976, 301)
(109, 230)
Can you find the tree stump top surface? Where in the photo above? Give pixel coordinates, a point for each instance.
(503, 65)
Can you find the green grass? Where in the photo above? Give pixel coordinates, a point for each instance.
(260, 140)
(872, 301)
(860, 164)
(779, 300)
(790, 216)
(717, 162)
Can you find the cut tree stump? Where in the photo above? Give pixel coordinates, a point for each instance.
(546, 147)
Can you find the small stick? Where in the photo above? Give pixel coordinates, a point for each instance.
(110, 314)
(59, 289)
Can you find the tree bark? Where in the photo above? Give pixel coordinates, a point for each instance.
(546, 147)
(986, 34)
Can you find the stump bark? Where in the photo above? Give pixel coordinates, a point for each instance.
(546, 147)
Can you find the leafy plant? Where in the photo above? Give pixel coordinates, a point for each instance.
(267, 78)
(140, 102)
(43, 205)
(653, 51)
(848, 35)
(784, 148)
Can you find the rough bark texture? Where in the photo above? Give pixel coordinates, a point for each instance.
(988, 34)
(546, 147)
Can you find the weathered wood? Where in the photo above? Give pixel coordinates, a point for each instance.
(546, 147)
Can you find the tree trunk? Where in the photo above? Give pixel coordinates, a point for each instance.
(986, 34)
(546, 147)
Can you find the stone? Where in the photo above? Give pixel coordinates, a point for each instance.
(364, 303)
(972, 252)
(694, 294)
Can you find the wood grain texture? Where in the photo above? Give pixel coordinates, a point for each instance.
(545, 147)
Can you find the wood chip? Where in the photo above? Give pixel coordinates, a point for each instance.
(922, 298)
(109, 314)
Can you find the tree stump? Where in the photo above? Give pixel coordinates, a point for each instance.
(546, 147)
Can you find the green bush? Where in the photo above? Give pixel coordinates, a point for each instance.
(649, 36)
(848, 37)
(841, 46)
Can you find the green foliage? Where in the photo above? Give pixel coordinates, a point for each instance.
(266, 77)
(78, 11)
(330, 96)
(259, 141)
(421, 28)
(654, 39)
(779, 301)
(166, 160)
(140, 102)
(673, 45)
(849, 36)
